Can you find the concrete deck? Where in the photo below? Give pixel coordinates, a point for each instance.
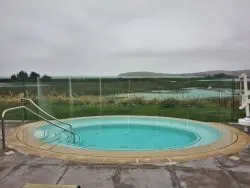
(231, 141)
(17, 169)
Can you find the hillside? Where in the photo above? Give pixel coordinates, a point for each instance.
(142, 74)
(205, 73)
(214, 72)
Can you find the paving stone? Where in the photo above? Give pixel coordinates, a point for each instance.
(241, 168)
(197, 164)
(5, 171)
(94, 178)
(22, 174)
(17, 158)
(204, 179)
(242, 178)
(227, 163)
(245, 154)
(45, 160)
(150, 178)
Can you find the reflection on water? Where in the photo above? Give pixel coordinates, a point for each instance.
(188, 93)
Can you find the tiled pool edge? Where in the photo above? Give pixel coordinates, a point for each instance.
(30, 145)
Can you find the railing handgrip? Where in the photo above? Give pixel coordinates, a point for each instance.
(24, 107)
(34, 104)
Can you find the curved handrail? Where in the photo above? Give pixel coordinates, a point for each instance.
(244, 104)
(48, 121)
(34, 104)
(24, 107)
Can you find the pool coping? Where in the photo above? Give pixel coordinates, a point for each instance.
(232, 141)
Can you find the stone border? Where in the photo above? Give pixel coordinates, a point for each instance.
(232, 141)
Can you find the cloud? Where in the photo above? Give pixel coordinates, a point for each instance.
(108, 37)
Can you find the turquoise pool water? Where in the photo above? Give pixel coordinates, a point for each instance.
(131, 133)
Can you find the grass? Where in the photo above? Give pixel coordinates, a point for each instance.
(209, 109)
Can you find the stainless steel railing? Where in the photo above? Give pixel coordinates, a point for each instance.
(24, 107)
(34, 104)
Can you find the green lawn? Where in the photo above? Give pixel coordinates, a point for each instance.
(202, 113)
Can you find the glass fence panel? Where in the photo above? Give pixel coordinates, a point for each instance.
(114, 96)
(11, 93)
(202, 99)
(84, 100)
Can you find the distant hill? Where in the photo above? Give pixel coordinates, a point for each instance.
(229, 73)
(142, 74)
(196, 74)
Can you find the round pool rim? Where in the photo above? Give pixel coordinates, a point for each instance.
(31, 145)
(102, 121)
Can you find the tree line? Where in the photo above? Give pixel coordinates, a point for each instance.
(24, 76)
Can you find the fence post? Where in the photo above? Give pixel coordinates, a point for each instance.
(3, 135)
(24, 102)
(100, 95)
(232, 99)
(220, 105)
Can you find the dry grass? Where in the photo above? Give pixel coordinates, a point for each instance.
(9, 101)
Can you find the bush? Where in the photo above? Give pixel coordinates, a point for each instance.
(170, 103)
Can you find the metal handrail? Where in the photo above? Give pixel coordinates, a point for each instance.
(244, 104)
(24, 107)
(34, 104)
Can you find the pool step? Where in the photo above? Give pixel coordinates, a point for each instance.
(63, 137)
(52, 137)
(72, 139)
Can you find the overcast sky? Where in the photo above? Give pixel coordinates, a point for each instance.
(107, 37)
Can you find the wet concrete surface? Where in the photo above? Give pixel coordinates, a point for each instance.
(222, 172)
